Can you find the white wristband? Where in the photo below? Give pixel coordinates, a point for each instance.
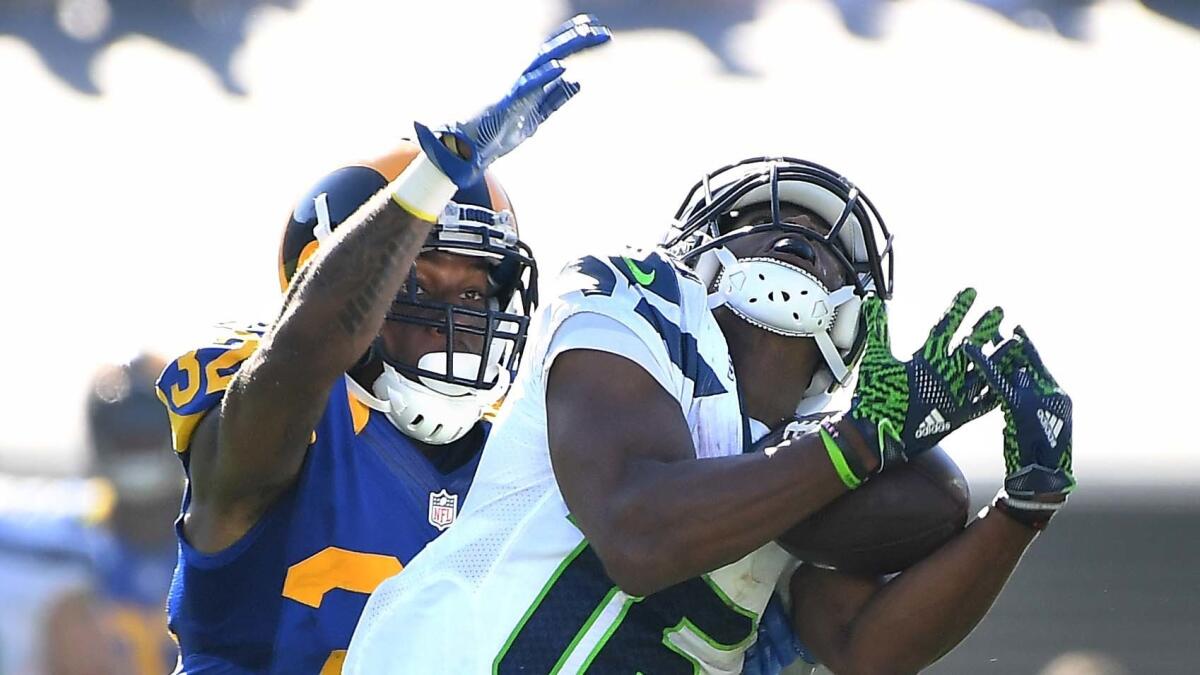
(1029, 504)
(422, 189)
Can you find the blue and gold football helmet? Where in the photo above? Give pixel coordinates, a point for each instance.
(441, 397)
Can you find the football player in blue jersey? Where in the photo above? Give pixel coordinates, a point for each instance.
(324, 450)
(85, 563)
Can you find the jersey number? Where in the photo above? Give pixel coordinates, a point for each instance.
(331, 568)
(581, 621)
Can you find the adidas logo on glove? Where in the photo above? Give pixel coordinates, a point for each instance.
(1051, 424)
(932, 424)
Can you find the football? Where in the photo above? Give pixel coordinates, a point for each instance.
(890, 522)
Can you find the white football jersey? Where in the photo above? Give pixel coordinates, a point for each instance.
(513, 585)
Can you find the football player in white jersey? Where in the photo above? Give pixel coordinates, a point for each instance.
(616, 524)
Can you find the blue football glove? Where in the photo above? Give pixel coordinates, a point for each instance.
(1037, 431)
(462, 151)
(777, 646)
(906, 407)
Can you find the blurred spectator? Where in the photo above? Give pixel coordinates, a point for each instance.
(864, 18)
(69, 34)
(712, 22)
(85, 563)
(1068, 18)
(1184, 11)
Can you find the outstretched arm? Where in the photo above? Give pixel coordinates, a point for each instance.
(243, 458)
(859, 625)
(855, 625)
(656, 515)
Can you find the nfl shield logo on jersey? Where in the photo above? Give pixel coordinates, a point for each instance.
(443, 507)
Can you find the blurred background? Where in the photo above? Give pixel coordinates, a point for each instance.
(1043, 151)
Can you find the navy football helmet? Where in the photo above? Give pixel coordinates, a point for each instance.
(439, 398)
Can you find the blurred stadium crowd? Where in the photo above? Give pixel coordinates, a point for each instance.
(86, 561)
(69, 34)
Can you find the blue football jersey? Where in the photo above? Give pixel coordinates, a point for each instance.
(285, 598)
(54, 542)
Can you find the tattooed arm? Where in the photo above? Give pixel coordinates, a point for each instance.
(245, 456)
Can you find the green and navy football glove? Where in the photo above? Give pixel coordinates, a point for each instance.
(906, 407)
(1037, 431)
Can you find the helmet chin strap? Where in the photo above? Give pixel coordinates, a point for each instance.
(783, 299)
(437, 412)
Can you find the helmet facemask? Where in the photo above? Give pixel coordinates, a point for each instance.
(441, 396)
(770, 293)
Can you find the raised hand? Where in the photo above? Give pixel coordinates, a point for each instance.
(907, 407)
(465, 149)
(1037, 430)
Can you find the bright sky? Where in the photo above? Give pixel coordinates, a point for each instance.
(1051, 174)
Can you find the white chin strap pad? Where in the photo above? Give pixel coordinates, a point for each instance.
(465, 366)
(784, 299)
(438, 414)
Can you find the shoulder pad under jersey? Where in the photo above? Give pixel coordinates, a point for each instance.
(194, 383)
(638, 271)
(658, 300)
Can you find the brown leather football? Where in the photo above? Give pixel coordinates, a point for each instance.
(893, 520)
